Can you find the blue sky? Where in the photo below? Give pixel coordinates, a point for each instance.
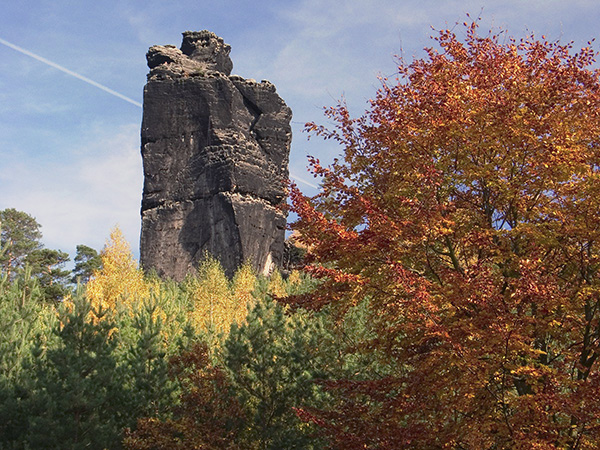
(69, 151)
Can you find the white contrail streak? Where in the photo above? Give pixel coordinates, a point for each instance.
(70, 72)
(104, 88)
(301, 180)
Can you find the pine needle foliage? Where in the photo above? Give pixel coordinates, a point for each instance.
(22, 317)
(273, 361)
(75, 396)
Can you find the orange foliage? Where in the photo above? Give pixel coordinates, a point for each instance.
(208, 416)
(467, 209)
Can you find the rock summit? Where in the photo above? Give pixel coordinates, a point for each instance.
(215, 150)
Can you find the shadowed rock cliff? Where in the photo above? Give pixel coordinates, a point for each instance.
(215, 149)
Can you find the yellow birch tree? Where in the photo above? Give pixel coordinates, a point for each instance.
(120, 280)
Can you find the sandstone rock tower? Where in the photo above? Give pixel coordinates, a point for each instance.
(215, 149)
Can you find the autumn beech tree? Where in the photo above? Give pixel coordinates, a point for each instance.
(465, 212)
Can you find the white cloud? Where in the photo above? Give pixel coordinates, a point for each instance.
(342, 46)
(81, 199)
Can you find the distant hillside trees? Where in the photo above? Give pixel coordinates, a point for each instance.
(87, 261)
(21, 247)
(19, 236)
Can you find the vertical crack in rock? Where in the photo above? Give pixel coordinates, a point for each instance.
(215, 149)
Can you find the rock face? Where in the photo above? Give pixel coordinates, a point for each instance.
(215, 149)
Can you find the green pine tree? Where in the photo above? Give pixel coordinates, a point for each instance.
(274, 362)
(48, 267)
(23, 316)
(76, 397)
(87, 261)
(19, 235)
(151, 391)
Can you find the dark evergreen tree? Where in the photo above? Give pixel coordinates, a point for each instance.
(22, 318)
(19, 235)
(273, 361)
(76, 397)
(20, 246)
(87, 261)
(48, 267)
(151, 392)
